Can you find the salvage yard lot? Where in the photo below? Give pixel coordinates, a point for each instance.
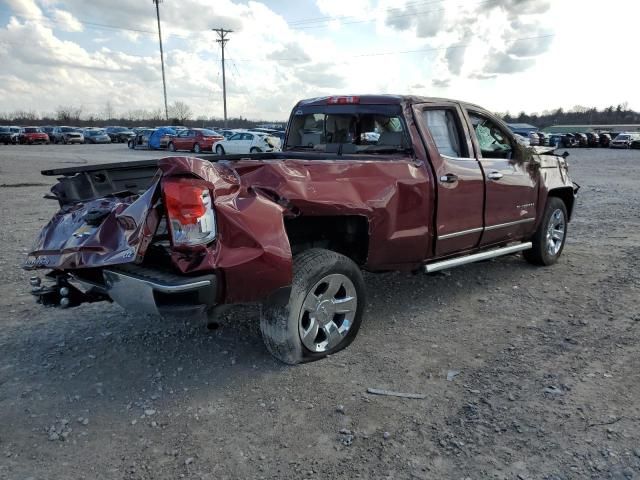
(547, 363)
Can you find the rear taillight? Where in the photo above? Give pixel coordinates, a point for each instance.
(343, 100)
(189, 207)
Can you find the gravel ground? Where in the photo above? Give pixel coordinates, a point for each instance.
(528, 373)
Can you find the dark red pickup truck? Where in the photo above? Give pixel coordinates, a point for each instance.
(371, 182)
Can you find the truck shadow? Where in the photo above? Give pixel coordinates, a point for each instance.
(99, 357)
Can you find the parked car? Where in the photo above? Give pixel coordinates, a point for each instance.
(31, 135)
(247, 142)
(8, 136)
(543, 139)
(635, 144)
(569, 140)
(555, 140)
(581, 140)
(141, 138)
(293, 230)
(96, 135)
(67, 135)
(194, 140)
(49, 131)
(604, 139)
(623, 140)
(119, 134)
(593, 140)
(534, 139)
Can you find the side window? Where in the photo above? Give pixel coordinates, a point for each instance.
(492, 140)
(247, 136)
(445, 131)
(237, 136)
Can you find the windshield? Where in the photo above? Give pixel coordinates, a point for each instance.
(623, 137)
(4, 129)
(353, 132)
(32, 130)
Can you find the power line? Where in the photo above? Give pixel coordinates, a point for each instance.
(222, 40)
(164, 80)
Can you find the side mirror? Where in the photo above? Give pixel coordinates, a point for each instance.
(565, 154)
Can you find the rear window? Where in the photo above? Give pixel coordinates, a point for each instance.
(348, 129)
(32, 130)
(209, 133)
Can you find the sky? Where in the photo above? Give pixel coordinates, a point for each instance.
(506, 55)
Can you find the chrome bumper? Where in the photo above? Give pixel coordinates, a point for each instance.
(149, 291)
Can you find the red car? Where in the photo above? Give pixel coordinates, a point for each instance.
(32, 135)
(194, 140)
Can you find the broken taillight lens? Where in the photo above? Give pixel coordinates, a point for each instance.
(190, 212)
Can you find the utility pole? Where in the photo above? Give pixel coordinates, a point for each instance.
(164, 80)
(222, 40)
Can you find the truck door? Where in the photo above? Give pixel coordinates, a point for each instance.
(511, 179)
(459, 179)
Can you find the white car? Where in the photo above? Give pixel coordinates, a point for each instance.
(247, 142)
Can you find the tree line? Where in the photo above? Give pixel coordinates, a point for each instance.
(578, 115)
(179, 114)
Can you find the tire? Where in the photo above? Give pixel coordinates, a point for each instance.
(171, 147)
(196, 148)
(549, 239)
(220, 150)
(322, 281)
(255, 150)
(130, 144)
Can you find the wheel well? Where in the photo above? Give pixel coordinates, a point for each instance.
(566, 195)
(348, 235)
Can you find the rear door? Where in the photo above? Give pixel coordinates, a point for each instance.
(459, 179)
(511, 179)
(247, 142)
(232, 144)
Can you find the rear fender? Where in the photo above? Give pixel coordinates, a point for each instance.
(252, 251)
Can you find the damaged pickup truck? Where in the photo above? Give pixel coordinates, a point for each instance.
(374, 183)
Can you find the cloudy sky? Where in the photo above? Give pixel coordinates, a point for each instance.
(507, 55)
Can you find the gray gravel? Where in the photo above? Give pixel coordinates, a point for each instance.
(548, 385)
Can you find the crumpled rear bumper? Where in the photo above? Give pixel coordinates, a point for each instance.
(144, 290)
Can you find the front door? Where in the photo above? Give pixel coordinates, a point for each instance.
(511, 179)
(459, 179)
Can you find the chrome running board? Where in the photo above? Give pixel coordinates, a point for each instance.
(476, 257)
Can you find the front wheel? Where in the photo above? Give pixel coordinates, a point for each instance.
(220, 150)
(196, 148)
(549, 239)
(255, 150)
(324, 311)
(130, 144)
(172, 147)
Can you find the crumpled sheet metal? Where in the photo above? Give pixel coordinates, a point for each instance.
(67, 242)
(251, 250)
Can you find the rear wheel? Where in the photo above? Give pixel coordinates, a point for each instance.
(549, 239)
(255, 150)
(324, 311)
(219, 149)
(196, 148)
(130, 144)
(172, 147)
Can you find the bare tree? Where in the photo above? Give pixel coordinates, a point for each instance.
(68, 113)
(180, 111)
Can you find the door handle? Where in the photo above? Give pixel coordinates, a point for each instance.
(495, 176)
(449, 178)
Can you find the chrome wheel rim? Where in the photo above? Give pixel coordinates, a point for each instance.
(327, 313)
(556, 230)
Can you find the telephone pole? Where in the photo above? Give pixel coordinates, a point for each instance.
(222, 40)
(164, 80)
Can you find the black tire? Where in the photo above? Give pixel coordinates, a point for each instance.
(280, 324)
(130, 144)
(196, 148)
(220, 150)
(540, 253)
(171, 147)
(255, 150)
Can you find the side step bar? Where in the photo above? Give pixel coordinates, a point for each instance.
(476, 257)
